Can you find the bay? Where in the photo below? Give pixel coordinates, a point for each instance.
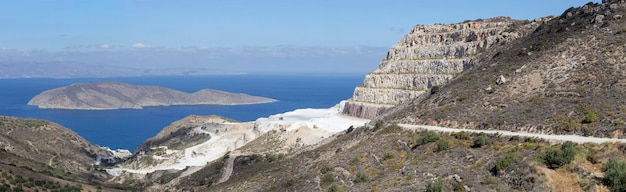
(127, 128)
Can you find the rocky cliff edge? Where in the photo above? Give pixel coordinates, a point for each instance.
(429, 56)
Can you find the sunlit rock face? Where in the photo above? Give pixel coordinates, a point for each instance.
(429, 56)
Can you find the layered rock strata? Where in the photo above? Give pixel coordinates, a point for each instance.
(429, 56)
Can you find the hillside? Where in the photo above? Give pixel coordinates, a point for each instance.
(48, 156)
(181, 134)
(563, 76)
(389, 158)
(116, 95)
(566, 77)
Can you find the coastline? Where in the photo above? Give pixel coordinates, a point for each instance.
(309, 124)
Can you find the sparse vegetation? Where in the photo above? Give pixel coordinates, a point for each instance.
(506, 162)
(615, 174)
(327, 179)
(490, 180)
(333, 188)
(388, 155)
(391, 129)
(379, 124)
(147, 160)
(435, 186)
(462, 135)
(394, 159)
(480, 140)
(361, 178)
(325, 169)
(555, 157)
(442, 145)
(427, 137)
(591, 117)
(460, 186)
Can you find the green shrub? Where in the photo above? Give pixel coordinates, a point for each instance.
(388, 155)
(379, 124)
(480, 141)
(591, 117)
(615, 174)
(462, 135)
(506, 161)
(327, 178)
(271, 157)
(361, 177)
(490, 180)
(460, 186)
(333, 188)
(325, 169)
(435, 186)
(442, 145)
(354, 161)
(427, 137)
(290, 182)
(555, 157)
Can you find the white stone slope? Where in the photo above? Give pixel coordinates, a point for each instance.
(313, 123)
(558, 138)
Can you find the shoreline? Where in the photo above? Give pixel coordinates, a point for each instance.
(316, 124)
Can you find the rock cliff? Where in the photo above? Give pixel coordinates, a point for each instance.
(116, 95)
(429, 56)
(566, 77)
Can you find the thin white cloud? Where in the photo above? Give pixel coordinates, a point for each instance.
(105, 46)
(140, 45)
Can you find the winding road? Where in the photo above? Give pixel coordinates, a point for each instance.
(558, 138)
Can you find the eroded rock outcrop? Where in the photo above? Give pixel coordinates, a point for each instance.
(428, 56)
(566, 77)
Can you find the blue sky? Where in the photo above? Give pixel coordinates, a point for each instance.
(125, 26)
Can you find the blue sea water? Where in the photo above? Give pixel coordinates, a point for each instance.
(127, 128)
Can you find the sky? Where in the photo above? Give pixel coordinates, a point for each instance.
(218, 34)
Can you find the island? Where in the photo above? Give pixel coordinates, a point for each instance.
(118, 95)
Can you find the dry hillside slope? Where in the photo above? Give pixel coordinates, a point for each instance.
(567, 77)
(388, 158)
(37, 154)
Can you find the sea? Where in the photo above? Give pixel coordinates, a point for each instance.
(128, 128)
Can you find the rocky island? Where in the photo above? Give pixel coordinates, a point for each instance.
(117, 95)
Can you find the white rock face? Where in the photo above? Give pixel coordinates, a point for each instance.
(428, 56)
(309, 126)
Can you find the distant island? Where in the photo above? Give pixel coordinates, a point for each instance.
(117, 95)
